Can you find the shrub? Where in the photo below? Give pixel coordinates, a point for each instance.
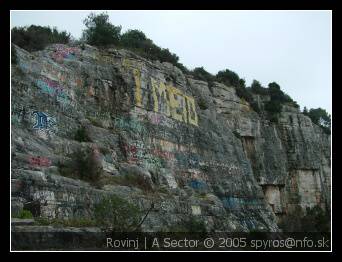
(81, 135)
(34, 38)
(315, 220)
(192, 225)
(244, 93)
(256, 107)
(73, 222)
(117, 215)
(202, 104)
(273, 106)
(25, 214)
(14, 58)
(99, 31)
(83, 165)
(229, 78)
(201, 74)
(321, 118)
(258, 89)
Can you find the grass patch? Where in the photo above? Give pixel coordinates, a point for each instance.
(24, 214)
(74, 222)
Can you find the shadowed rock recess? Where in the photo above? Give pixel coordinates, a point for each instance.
(151, 143)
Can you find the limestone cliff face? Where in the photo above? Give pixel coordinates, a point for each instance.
(199, 151)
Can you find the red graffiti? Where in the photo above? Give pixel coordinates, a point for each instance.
(39, 161)
(163, 154)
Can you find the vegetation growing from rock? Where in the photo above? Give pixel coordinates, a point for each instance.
(24, 214)
(117, 215)
(82, 165)
(13, 55)
(191, 225)
(315, 220)
(35, 38)
(201, 74)
(202, 104)
(81, 135)
(72, 222)
(320, 117)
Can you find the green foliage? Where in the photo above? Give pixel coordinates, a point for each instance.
(258, 89)
(83, 165)
(273, 106)
(278, 95)
(99, 31)
(34, 38)
(202, 104)
(81, 135)
(244, 93)
(191, 225)
(14, 58)
(73, 222)
(229, 78)
(25, 214)
(320, 117)
(201, 74)
(256, 107)
(315, 220)
(117, 214)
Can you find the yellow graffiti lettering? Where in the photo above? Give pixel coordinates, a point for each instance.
(161, 92)
(137, 78)
(176, 97)
(192, 115)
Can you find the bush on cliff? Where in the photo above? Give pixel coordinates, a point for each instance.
(117, 215)
(14, 58)
(84, 165)
(34, 38)
(99, 31)
(320, 117)
(201, 74)
(315, 220)
(81, 135)
(257, 88)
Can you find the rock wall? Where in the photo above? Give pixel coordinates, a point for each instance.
(221, 162)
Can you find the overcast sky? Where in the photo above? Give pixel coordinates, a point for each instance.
(292, 48)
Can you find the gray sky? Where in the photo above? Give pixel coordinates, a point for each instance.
(292, 48)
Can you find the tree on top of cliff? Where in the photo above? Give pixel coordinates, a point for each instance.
(228, 77)
(320, 117)
(257, 88)
(34, 38)
(201, 74)
(99, 31)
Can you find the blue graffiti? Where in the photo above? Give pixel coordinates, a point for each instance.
(41, 120)
(190, 160)
(197, 184)
(238, 202)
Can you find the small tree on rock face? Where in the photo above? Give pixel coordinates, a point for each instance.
(117, 215)
(100, 32)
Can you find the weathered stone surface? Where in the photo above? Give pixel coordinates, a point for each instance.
(222, 163)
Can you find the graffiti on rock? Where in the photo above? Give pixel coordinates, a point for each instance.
(62, 52)
(195, 184)
(129, 124)
(240, 203)
(172, 102)
(44, 122)
(39, 161)
(53, 89)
